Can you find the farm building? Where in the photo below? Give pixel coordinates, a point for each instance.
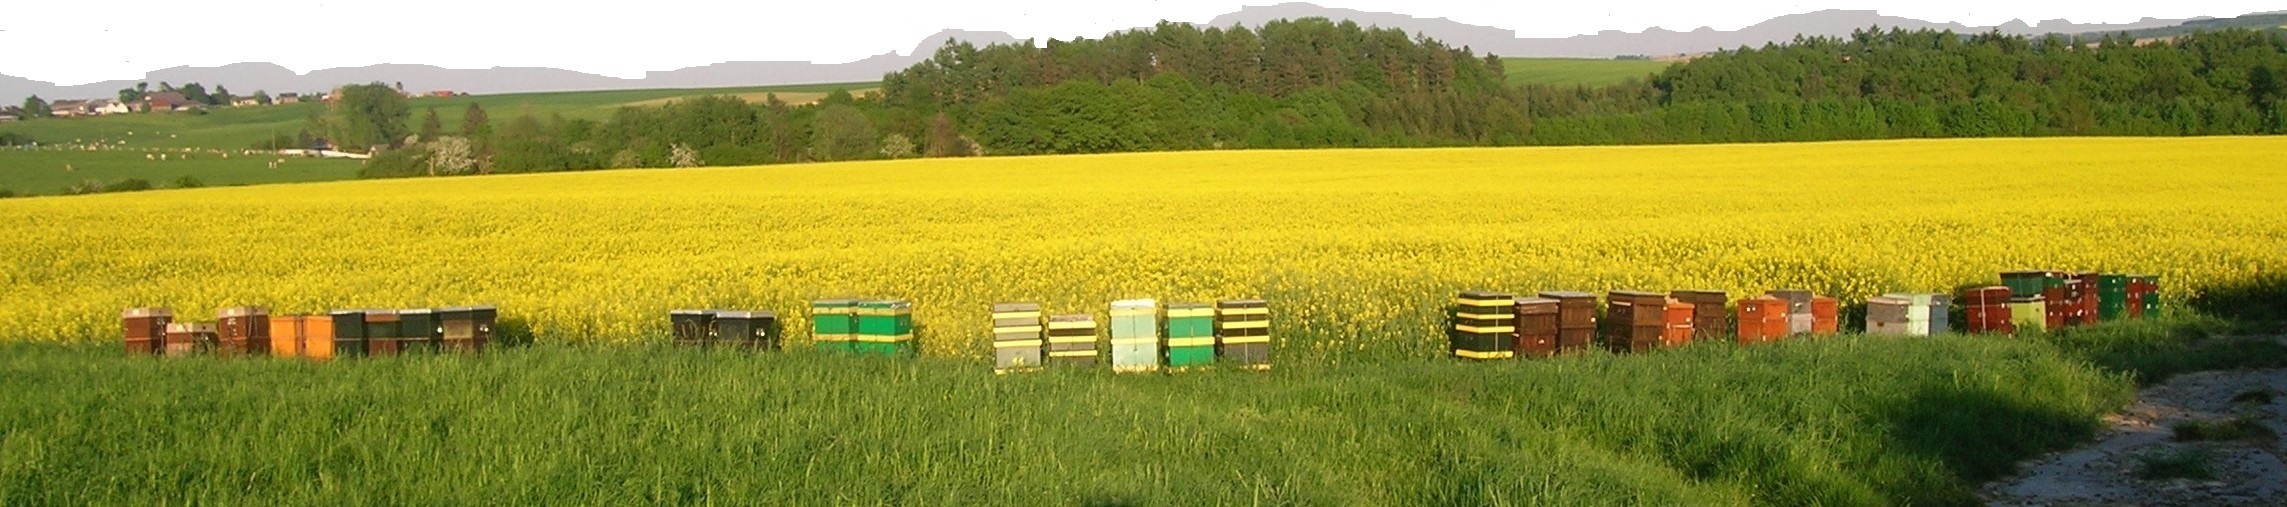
(109, 106)
(68, 108)
(169, 101)
(287, 98)
(246, 102)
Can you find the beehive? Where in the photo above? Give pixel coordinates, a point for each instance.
(417, 331)
(1072, 340)
(1679, 323)
(1017, 337)
(1536, 327)
(1799, 318)
(1986, 310)
(1243, 332)
(834, 324)
(885, 328)
(1917, 311)
(1634, 320)
(756, 330)
(2112, 297)
(1762, 319)
(463, 327)
(1709, 314)
(2148, 295)
(1826, 316)
(242, 330)
(2028, 313)
(348, 333)
(1575, 320)
(381, 333)
(1135, 335)
(318, 337)
(1483, 325)
(1190, 335)
(286, 335)
(145, 329)
(188, 338)
(1891, 316)
(2025, 282)
(691, 327)
(2091, 296)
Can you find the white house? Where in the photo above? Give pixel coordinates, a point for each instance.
(109, 106)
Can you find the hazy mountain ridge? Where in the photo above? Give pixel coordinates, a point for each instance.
(246, 78)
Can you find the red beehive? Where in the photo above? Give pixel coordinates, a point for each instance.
(243, 330)
(146, 329)
(1762, 319)
(1826, 316)
(1634, 320)
(2089, 281)
(1576, 320)
(1679, 324)
(1987, 310)
(1536, 327)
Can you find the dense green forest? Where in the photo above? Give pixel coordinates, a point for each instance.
(1314, 83)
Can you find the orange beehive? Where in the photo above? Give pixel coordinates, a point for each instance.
(1679, 323)
(1826, 316)
(318, 337)
(285, 335)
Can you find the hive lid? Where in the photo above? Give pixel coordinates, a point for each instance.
(885, 303)
(1535, 301)
(347, 312)
(1072, 317)
(1242, 303)
(1188, 306)
(1015, 307)
(1888, 300)
(835, 302)
(1638, 294)
(378, 311)
(1145, 303)
(1563, 294)
(733, 315)
(243, 311)
(416, 311)
(146, 312)
(1486, 294)
(689, 311)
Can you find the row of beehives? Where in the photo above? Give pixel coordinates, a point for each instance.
(1498, 325)
(2037, 300)
(253, 331)
(1024, 338)
(1236, 331)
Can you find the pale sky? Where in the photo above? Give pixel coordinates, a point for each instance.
(71, 42)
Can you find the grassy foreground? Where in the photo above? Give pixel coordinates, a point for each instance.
(1841, 421)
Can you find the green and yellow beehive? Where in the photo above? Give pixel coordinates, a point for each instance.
(1190, 335)
(885, 328)
(834, 324)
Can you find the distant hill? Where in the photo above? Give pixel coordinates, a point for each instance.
(2260, 21)
(1652, 41)
(245, 78)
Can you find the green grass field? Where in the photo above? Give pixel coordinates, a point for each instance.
(49, 172)
(1577, 71)
(1837, 421)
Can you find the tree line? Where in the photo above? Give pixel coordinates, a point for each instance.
(1314, 83)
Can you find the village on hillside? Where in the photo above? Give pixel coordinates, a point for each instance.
(189, 97)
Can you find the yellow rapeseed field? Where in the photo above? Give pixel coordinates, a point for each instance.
(1356, 249)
